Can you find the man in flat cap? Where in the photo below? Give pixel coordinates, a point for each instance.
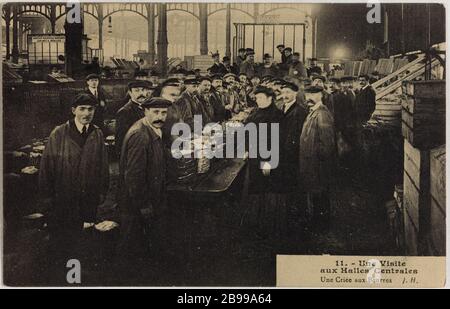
(217, 67)
(92, 81)
(188, 104)
(294, 117)
(314, 68)
(318, 157)
(296, 67)
(319, 81)
(365, 99)
(204, 97)
(280, 48)
(73, 180)
(216, 98)
(138, 91)
(248, 66)
(142, 187)
(268, 67)
(344, 120)
(241, 57)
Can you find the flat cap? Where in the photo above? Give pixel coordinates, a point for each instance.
(313, 89)
(317, 76)
(347, 78)
(288, 49)
(191, 81)
(156, 102)
(267, 91)
(230, 75)
(84, 99)
(174, 82)
(216, 77)
(290, 85)
(334, 79)
(203, 78)
(92, 76)
(140, 84)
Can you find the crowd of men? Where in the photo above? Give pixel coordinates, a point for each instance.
(319, 117)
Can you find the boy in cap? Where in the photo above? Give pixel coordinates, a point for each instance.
(138, 91)
(142, 187)
(92, 81)
(241, 57)
(73, 180)
(318, 157)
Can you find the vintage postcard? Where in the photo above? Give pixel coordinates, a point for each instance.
(224, 144)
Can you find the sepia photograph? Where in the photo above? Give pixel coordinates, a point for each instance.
(223, 144)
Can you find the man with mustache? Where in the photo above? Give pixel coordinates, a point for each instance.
(73, 180)
(294, 117)
(365, 99)
(203, 96)
(268, 67)
(132, 111)
(318, 157)
(248, 67)
(188, 104)
(142, 188)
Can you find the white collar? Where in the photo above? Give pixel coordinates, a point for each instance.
(365, 86)
(287, 106)
(315, 107)
(80, 126)
(93, 89)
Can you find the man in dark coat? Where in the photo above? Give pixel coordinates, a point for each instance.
(73, 181)
(296, 68)
(294, 117)
(365, 99)
(217, 67)
(204, 97)
(93, 88)
(248, 67)
(142, 187)
(188, 104)
(216, 99)
(261, 179)
(240, 58)
(314, 68)
(318, 157)
(268, 67)
(280, 48)
(131, 111)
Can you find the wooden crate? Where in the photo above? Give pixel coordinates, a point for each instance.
(428, 89)
(423, 113)
(437, 205)
(411, 236)
(416, 195)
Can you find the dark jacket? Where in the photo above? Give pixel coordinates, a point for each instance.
(142, 187)
(218, 106)
(258, 183)
(142, 170)
(318, 151)
(343, 114)
(73, 176)
(292, 127)
(273, 70)
(365, 103)
(218, 68)
(248, 68)
(206, 108)
(125, 118)
(100, 110)
(297, 69)
(188, 106)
